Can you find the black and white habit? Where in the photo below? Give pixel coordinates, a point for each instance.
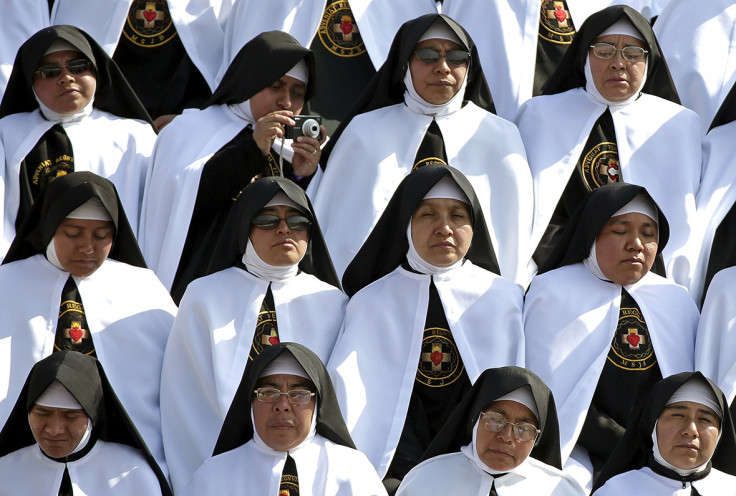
(115, 460)
(113, 136)
(416, 337)
(451, 465)
(128, 312)
(204, 159)
(232, 314)
(390, 132)
(326, 461)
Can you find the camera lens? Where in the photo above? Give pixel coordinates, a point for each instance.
(310, 128)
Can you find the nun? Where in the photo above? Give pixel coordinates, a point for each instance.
(206, 157)
(501, 439)
(429, 103)
(427, 315)
(68, 108)
(601, 328)
(284, 435)
(682, 443)
(270, 280)
(74, 279)
(610, 113)
(69, 434)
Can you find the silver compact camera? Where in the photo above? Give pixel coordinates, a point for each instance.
(306, 125)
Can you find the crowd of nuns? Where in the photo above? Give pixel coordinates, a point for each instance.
(361, 247)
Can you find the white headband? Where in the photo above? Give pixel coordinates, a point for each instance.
(92, 209)
(440, 30)
(299, 71)
(286, 364)
(697, 391)
(623, 26)
(447, 188)
(641, 205)
(57, 396)
(60, 45)
(281, 198)
(522, 395)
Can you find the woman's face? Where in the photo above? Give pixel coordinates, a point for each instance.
(441, 230)
(68, 92)
(617, 79)
(281, 245)
(82, 245)
(626, 247)
(437, 83)
(286, 93)
(687, 434)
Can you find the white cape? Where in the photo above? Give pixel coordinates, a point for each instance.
(570, 317)
(199, 23)
(374, 363)
(715, 346)
(20, 20)
(507, 32)
(113, 147)
(716, 196)
(129, 314)
(691, 40)
(454, 473)
(109, 469)
(208, 349)
(644, 481)
(325, 469)
(658, 148)
(377, 150)
(181, 151)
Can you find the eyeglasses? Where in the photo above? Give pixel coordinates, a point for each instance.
(430, 56)
(268, 222)
(495, 422)
(77, 66)
(295, 396)
(608, 51)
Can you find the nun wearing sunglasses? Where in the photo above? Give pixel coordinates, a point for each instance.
(270, 279)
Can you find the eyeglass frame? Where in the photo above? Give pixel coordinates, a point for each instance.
(89, 66)
(259, 391)
(513, 426)
(278, 220)
(615, 49)
(441, 56)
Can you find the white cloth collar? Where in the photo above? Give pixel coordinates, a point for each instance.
(592, 91)
(266, 449)
(52, 116)
(417, 263)
(418, 105)
(274, 273)
(660, 459)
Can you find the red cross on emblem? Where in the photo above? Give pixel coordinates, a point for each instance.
(149, 15)
(346, 28)
(76, 333)
(270, 339)
(560, 14)
(633, 339)
(437, 357)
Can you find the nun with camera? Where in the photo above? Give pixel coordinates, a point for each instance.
(270, 280)
(428, 104)
(205, 157)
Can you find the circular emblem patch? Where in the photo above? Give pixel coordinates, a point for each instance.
(338, 31)
(149, 23)
(555, 24)
(631, 348)
(600, 166)
(266, 333)
(439, 362)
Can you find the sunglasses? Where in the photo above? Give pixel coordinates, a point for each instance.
(268, 222)
(430, 56)
(608, 51)
(77, 66)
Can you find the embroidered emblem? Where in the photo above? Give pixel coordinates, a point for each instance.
(266, 333)
(338, 31)
(76, 333)
(631, 348)
(439, 361)
(149, 23)
(46, 171)
(272, 169)
(428, 161)
(555, 24)
(600, 166)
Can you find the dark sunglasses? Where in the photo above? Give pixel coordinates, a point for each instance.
(268, 222)
(77, 66)
(430, 56)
